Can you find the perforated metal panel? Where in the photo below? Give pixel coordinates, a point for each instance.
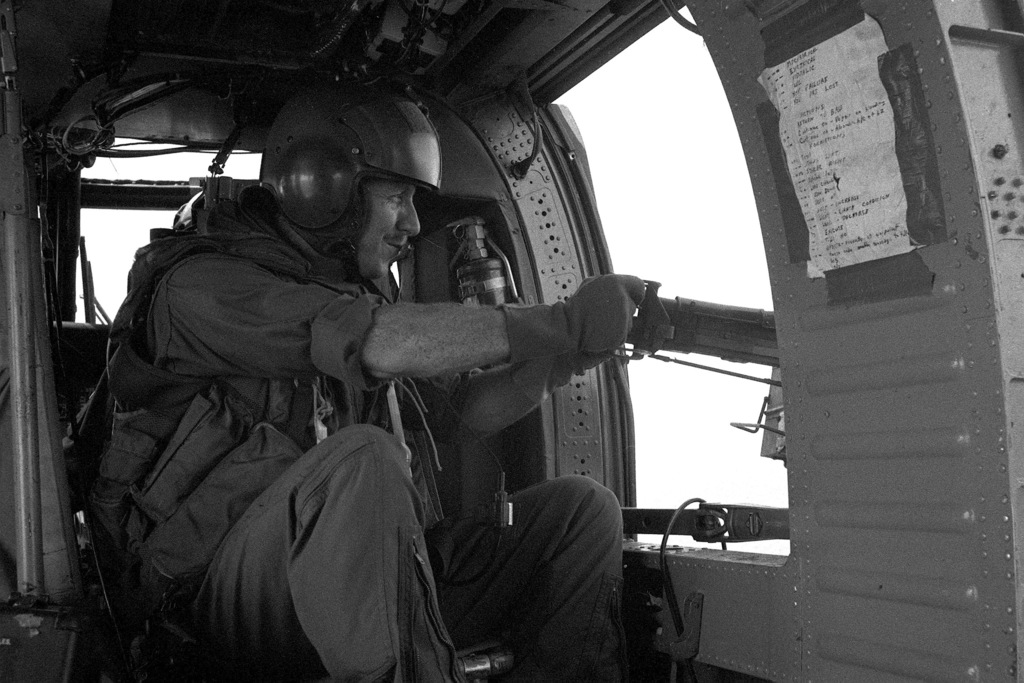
(554, 238)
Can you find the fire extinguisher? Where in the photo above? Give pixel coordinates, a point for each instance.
(483, 279)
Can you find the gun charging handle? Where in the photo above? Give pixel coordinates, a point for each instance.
(652, 326)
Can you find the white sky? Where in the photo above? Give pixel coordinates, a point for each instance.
(677, 207)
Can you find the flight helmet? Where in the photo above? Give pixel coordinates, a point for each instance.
(324, 142)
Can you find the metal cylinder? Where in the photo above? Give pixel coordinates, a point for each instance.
(487, 664)
(482, 282)
(20, 256)
(21, 264)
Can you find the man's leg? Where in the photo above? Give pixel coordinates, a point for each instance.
(553, 581)
(318, 575)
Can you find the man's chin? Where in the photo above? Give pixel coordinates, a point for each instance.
(374, 271)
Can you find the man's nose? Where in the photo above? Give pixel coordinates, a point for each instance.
(409, 221)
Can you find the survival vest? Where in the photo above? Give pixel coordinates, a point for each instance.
(185, 453)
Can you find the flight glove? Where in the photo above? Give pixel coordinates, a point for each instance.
(571, 336)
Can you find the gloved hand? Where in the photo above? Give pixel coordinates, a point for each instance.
(577, 334)
(600, 314)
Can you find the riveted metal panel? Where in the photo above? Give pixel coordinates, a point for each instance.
(557, 243)
(988, 79)
(905, 462)
(747, 622)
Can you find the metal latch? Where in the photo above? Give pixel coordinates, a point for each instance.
(721, 523)
(686, 644)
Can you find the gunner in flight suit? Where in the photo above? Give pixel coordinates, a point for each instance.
(256, 384)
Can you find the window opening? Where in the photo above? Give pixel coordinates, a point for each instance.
(112, 236)
(677, 207)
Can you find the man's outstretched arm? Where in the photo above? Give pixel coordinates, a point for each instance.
(429, 340)
(541, 346)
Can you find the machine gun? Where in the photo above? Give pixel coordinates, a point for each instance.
(734, 333)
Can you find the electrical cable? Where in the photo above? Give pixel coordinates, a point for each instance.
(680, 19)
(198, 146)
(108, 108)
(136, 154)
(414, 394)
(498, 532)
(423, 6)
(102, 137)
(670, 593)
(327, 47)
(56, 321)
(413, 32)
(101, 144)
(521, 168)
(113, 105)
(122, 649)
(472, 432)
(628, 429)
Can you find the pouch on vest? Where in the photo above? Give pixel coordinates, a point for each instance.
(182, 545)
(212, 426)
(130, 453)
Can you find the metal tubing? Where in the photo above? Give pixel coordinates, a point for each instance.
(986, 36)
(136, 194)
(20, 255)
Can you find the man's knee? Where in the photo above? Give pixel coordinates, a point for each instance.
(359, 442)
(594, 502)
(355, 463)
(599, 500)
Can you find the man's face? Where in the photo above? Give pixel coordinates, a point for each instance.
(390, 221)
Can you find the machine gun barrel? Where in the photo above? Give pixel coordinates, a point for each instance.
(683, 325)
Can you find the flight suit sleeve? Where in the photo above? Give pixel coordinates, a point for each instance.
(215, 315)
(338, 332)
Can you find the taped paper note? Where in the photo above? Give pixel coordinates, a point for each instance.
(836, 128)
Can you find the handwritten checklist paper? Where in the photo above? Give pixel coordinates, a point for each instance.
(836, 127)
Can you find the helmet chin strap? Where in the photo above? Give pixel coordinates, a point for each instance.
(335, 247)
(342, 249)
